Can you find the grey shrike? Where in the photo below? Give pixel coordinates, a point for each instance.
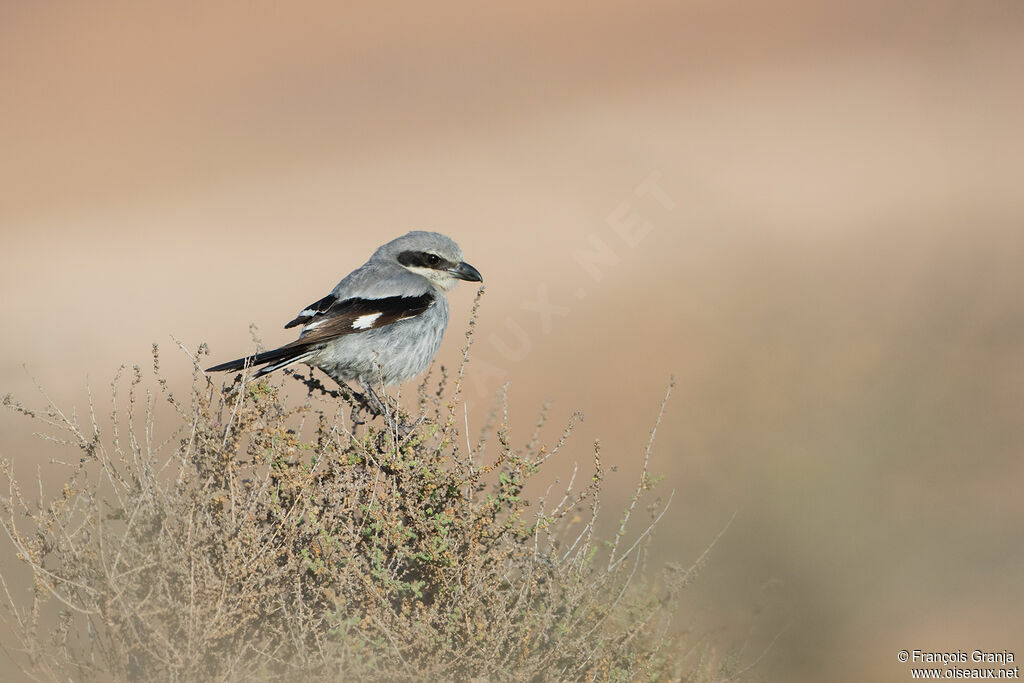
(383, 321)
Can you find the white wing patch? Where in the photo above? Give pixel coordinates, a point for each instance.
(365, 322)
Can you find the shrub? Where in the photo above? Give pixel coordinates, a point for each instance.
(271, 538)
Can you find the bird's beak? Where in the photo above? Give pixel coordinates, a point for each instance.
(464, 271)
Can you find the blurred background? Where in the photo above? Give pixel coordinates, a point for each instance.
(809, 213)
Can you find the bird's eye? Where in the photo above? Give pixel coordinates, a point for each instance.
(433, 259)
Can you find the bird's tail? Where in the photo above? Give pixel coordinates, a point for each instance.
(271, 360)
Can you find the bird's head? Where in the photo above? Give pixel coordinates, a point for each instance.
(431, 255)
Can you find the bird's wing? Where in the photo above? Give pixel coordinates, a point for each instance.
(369, 282)
(331, 318)
(340, 317)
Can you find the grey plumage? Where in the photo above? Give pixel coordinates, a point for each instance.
(383, 321)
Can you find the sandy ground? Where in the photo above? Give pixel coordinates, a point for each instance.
(809, 214)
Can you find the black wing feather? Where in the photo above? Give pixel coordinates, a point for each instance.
(337, 319)
(340, 318)
(312, 310)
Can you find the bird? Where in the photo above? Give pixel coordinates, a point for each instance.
(383, 323)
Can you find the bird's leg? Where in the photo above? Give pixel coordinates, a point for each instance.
(361, 404)
(390, 412)
(375, 403)
(354, 417)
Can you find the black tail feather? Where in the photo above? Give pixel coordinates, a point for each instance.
(279, 357)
